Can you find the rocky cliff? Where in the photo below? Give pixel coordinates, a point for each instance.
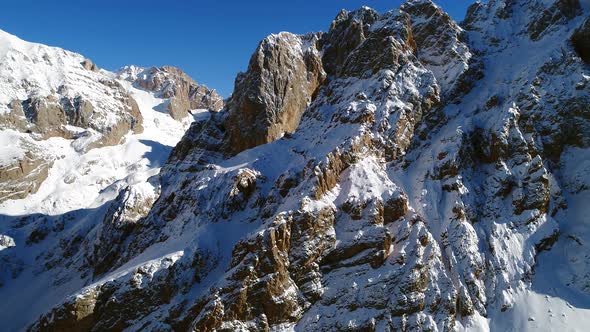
(399, 172)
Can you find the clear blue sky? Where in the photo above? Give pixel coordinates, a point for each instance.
(210, 40)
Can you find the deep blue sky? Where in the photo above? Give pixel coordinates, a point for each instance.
(210, 40)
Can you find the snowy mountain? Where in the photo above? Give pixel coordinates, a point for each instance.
(73, 137)
(401, 171)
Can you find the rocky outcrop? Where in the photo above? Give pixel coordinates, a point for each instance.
(110, 306)
(433, 32)
(287, 72)
(182, 93)
(270, 98)
(89, 65)
(6, 242)
(131, 205)
(560, 12)
(347, 31)
(23, 176)
(50, 117)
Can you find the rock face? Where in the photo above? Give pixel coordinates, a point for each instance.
(397, 173)
(181, 92)
(50, 117)
(270, 98)
(23, 176)
(441, 47)
(581, 41)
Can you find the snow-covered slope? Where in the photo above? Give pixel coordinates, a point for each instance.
(181, 92)
(80, 180)
(29, 71)
(88, 180)
(47, 92)
(370, 178)
(76, 193)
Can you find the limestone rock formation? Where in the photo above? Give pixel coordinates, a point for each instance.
(270, 98)
(23, 176)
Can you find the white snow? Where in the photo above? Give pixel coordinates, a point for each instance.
(30, 69)
(82, 184)
(10, 148)
(88, 180)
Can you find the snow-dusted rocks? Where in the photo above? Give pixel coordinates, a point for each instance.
(441, 46)
(47, 90)
(181, 93)
(418, 183)
(6, 242)
(23, 166)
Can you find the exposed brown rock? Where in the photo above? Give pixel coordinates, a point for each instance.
(182, 92)
(395, 208)
(47, 115)
(89, 65)
(132, 121)
(15, 118)
(328, 174)
(348, 30)
(23, 177)
(270, 98)
(383, 48)
(259, 270)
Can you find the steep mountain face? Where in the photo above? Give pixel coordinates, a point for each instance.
(398, 172)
